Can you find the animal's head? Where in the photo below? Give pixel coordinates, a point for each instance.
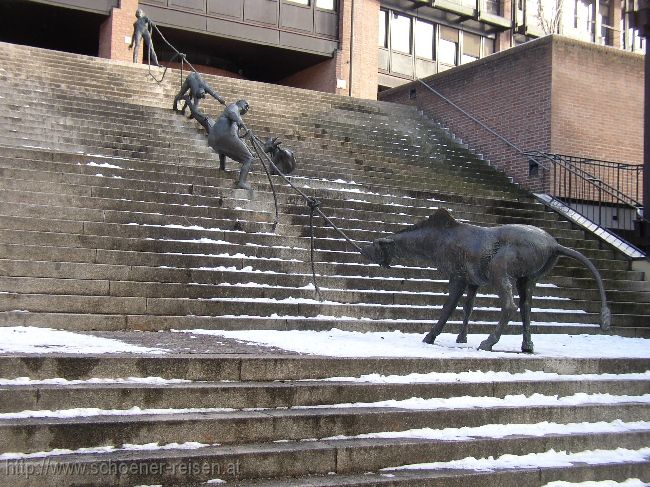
(271, 144)
(201, 93)
(381, 251)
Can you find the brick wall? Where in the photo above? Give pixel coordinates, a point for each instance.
(597, 102)
(553, 94)
(115, 29)
(321, 77)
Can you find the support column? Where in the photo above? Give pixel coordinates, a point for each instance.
(115, 33)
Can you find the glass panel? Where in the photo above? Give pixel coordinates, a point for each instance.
(448, 33)
(301, 2)
(325, 4)
(423, 39)
(471, 45)
(488, 46)
(583, 12)
(400, 33)
(493, 7)
(383, 22)
(448, 52)
(467, 59)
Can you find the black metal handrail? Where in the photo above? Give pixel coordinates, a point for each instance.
(582, 187)
(626, 178)
(578, 178)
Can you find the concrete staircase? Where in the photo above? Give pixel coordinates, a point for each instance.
(115, 218)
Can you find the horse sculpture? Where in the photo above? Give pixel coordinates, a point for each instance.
(471, 256)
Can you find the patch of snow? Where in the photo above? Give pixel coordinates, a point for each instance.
(550, 458)
(339, 343)
(24, 339)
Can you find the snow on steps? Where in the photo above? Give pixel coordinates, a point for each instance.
(90, 415)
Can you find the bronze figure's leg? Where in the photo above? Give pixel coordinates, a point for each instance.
(456, 290)
(467, 311)
(525, 288)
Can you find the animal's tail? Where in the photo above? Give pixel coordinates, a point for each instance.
(605, 314)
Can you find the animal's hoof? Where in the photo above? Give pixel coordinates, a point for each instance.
(485, 345)
(461, 339)
(243, 186)
(527, 348)
(429, 338)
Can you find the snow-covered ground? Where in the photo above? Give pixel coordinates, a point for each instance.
(339, 343)
(24, 339)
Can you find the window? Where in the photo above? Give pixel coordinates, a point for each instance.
(448, 47)
(383, 29)
(300, 2)
(400, 33)
(326, 4)
(471, 47)
(488, 46)
(583, 15)
(424, 39)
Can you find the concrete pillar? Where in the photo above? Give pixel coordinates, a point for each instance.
(115, 33)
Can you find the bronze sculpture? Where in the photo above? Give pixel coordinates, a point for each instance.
(283, 159)
(471, 256)
(197, 90)
(224, 138)
(143, 28)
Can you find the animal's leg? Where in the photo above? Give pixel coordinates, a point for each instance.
(508, 308)
(222, 162)
(456, 290)
(525, 288)
(467, 310)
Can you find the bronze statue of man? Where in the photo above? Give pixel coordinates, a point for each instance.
(143, 28)
(197, 90)
(224, 138)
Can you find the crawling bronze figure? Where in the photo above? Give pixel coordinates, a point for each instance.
(197, 88)
(471, 256)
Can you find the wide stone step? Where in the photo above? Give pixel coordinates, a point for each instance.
(295, 459)
(14, 398)
(278, 367)
(537, 476)
(128, 289)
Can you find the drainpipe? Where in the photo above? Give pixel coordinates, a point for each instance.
(351, 49)
(640, 19)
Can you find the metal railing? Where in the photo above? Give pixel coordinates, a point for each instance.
(605, 193)
(625, 180)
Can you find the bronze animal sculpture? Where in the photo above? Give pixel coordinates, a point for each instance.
(224, 138)
(197, 90)
(471, 256)
(142, 29)
(283, 159)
